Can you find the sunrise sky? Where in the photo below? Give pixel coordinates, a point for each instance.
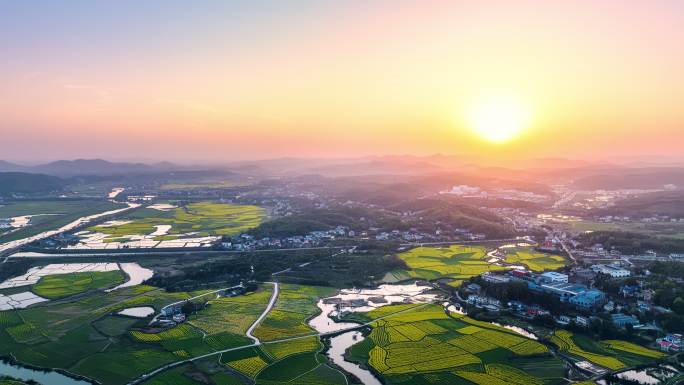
(224, 80)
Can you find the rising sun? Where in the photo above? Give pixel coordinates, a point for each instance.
(498, 118)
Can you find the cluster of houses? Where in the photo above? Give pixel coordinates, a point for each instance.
(245, 242)
(315, 238)
(671, 343)
(499, 193)
(171, 316)
(589, 301)
(580, 296)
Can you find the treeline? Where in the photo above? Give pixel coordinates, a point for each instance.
(14, 267)
(445, 214)
(427, 215)
(669, 269)
(632, 243)
(320, 268)
(344, 270)
(666, 282)
(231, 271)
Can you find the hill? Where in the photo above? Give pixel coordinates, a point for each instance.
(669, 203)
(632, 178)
(25, 183)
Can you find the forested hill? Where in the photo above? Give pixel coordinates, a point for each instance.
(25, 183)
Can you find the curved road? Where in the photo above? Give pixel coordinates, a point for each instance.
(263, 315)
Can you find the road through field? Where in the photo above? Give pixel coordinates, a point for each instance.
(263, 315)
(171, 365)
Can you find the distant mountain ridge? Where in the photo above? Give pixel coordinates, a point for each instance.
(82, 167)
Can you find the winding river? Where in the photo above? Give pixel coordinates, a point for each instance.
(340, 343)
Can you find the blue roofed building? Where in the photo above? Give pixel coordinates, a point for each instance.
(588, 299)
(564, 291)
(622, 320)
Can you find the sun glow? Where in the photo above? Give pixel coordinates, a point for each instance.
(498, 118)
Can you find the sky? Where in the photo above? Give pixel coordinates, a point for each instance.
(216, 80)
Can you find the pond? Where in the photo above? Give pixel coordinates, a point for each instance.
(138, 312)
(45, 377)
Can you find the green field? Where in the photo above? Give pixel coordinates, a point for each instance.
(296, 362)
(535, 261)
(295, 305)
(201, 219)
(456, 262)
(612, 354)
(426, 345)
(64, 285)
(61, 213)
(83, 336)
(221, 325)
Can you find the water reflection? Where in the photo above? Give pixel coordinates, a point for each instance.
(46, 377)
(338, 345)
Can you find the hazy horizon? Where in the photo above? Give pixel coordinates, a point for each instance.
(227, 81)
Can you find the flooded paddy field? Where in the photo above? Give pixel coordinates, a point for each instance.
(40, 284)
(31, 220)
(165, 225)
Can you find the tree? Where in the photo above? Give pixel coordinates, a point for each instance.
(678, 305)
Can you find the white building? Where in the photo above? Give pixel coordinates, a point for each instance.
(464, 190)
(613, 271)
(554, 277)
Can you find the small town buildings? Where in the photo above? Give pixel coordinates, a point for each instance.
(582, 321)
(609, 306)
(629, 290)
(517, 306)
(484, 302)
(495, 278)
(553, 277)
(671, 343)
(564, 291)
(584, 275)
(611, 270)
(588, 299)
(473, 288)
